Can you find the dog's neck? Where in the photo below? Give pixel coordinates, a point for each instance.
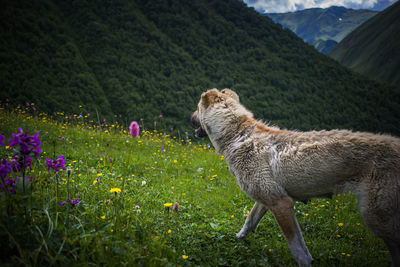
(236, 134)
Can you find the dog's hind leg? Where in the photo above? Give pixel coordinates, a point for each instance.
(394, 249)
(252, 220)
(284, 214)
(379, 201)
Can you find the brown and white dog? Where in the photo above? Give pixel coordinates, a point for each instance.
(275, 167)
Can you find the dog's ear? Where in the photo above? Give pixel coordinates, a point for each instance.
(209, 97)
(230, 93)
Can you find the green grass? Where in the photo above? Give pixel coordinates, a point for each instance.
(35, 230)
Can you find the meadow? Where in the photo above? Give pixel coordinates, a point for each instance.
(94, 195)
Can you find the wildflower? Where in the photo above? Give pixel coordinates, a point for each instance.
(306, 214)
(27, 144)
(169, 231)
(63, 138)
(10, 185)
(1, 140)
(5, 168)
(115, 190)
(175, 207)
(161, 116)
(137, 209)
(55, 164)
(111, 160)
(185, 257)
(96, 181)
(73, 203)
(143, 183)
(175, 161)
(107, 201)
(103, 217)
(167, 205)
(340, 224)
(134, 129)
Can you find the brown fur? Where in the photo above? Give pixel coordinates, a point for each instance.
(275, 167)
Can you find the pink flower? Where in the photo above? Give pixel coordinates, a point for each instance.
(134, 129)
(161, 115)
(111, 160)
(63, 138)
(175, 207)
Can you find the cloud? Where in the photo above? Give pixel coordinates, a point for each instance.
(280, 6)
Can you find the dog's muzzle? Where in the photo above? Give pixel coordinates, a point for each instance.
(199, 132)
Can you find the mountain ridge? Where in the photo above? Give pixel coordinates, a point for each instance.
(315, 25)
(373, 48)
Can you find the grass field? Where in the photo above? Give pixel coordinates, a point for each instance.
(108, 207)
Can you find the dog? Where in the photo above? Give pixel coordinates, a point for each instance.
(276, 167)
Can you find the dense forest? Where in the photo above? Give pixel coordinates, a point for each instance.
(139, 59)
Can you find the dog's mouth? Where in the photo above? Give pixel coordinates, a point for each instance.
(199, 132)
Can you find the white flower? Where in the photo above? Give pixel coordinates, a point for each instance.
(200, 169)
(143, 183)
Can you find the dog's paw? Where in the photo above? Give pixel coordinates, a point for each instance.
(241, 235)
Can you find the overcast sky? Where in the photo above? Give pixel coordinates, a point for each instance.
(281, 6)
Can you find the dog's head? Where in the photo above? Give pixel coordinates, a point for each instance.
(217, 111)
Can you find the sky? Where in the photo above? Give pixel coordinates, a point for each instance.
(282, 6)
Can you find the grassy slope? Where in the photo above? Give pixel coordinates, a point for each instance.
(212, 208)
(373, 48)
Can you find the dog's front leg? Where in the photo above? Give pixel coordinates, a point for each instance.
(284, 214)
(252, 220)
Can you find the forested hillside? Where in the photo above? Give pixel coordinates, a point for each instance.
(373, 49)
(140, 59)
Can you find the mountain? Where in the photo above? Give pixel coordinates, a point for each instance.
(134, 60)
(322, 27)
(373, 49)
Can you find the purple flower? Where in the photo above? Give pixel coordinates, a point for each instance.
(1, 140)
(73, 203)
(55, 164)
(161, 116)
(5, 168)
(134, 129)
(27, 144)
(10, 185)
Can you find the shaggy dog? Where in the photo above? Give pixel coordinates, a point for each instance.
(276, 167)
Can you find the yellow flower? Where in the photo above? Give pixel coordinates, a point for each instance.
(169, 231)
(167, 205)
(306, 214)
(233, 216)
(95, 181)
(103, 217)
(99, 174)
(340, 224)
(175, 161)
(115, 190)
(185, 257)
